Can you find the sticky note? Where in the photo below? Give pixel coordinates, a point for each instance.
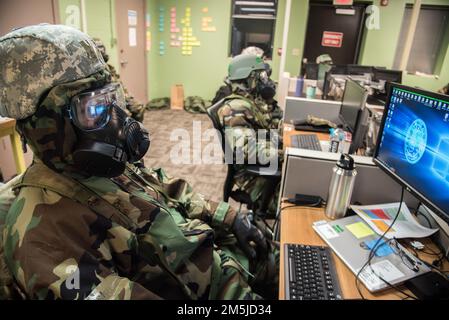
(360, 230)
(383, 249)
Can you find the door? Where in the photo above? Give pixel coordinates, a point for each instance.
(338, 35)
(21, 13)
(131, 46)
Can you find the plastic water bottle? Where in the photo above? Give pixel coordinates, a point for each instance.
(299, 87)
(337, 139)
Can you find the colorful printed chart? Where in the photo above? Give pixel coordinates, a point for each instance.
(381, 217)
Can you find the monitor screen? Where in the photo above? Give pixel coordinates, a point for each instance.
(353, 102)
(387, 75)
(413, 144)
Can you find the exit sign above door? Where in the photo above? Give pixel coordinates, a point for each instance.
(343, 2)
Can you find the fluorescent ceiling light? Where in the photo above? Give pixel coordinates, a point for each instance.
(257, 10)
(255, 3)
(254, 16)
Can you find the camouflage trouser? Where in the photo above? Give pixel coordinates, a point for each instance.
(237, 278)
(254, 187)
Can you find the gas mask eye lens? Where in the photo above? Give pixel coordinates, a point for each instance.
(263, 76)
(92, 110)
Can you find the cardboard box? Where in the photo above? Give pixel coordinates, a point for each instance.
(177, 97)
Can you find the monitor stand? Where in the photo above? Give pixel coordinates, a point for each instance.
(441, 238)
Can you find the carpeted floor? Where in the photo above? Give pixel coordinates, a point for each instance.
(206, 179)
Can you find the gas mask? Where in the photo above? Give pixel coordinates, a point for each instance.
(107, 137)
(266, 88)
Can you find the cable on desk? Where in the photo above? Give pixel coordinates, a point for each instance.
(373, 253)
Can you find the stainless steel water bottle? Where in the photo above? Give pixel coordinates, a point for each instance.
(341, 187)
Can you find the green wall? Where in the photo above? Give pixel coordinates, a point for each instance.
(203, 72)
(100, 16)
(380, 45)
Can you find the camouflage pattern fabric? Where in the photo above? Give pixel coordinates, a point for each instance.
(54, 54)
(158, 103)
(196, 104)
(242, 112)
(141, 235)
(223, 92)
(7, 196)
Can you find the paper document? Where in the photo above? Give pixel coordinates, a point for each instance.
(380, 217)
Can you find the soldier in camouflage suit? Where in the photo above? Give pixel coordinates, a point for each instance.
(251, 106)
(135, 109)
(138, 235)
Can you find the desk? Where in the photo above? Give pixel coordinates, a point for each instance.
(296, 227)
(289, 131)
(7, 128)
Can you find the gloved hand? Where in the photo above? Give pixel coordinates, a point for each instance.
(250, 238)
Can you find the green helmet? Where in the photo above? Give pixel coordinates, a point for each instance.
(241, 66)
(38, 58)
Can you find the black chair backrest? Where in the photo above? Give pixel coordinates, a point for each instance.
(212, 112)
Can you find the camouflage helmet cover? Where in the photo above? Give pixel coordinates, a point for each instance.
(242, 65)
(37, 58)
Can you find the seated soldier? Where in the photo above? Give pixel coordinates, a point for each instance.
(226, 89)
(252, 106)
(90, 222)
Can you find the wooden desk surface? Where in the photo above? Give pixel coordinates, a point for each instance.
(289, 131)
(296, 227)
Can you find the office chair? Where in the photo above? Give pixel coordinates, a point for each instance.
(253, 170)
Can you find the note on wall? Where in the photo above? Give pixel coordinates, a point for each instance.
(132, 18)
(206, 25)
(147, 20)
(148, 38)
(132, 37)
(188, 39)
(161, 19)
(161, 48)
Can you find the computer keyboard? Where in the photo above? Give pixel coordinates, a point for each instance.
(310, 273)
(306, 141)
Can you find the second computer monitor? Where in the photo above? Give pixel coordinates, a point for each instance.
(353, 113)
(354, 99)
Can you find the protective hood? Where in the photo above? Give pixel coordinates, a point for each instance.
(49, 132)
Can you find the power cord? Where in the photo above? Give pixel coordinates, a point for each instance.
(373, 253)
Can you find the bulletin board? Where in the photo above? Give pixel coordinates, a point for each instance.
(182, 36)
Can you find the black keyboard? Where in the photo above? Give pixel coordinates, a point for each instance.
(306, 141)
(310, 273)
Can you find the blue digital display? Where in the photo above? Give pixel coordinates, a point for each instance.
(414, 144)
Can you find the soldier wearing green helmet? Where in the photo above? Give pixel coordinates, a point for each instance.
(89, 221)
(251, 105)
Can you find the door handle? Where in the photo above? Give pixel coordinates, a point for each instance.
(124, 63)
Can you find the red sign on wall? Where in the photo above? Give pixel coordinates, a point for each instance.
(332, 39)
(343, 2)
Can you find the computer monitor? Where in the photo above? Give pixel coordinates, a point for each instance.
(387, 75)
(353, 113)
(413, 145)
(311, 70)
(357, 69)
